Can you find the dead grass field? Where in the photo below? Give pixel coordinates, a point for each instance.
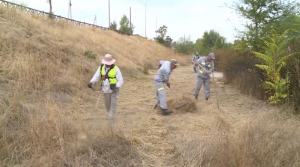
(48, 116)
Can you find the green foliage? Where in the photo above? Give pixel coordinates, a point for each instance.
(184, 46)
(162, 31)
(198, 44)
(213, 39)
(113, 26)
(274, 59)
(262, 15)
(240, 45)
(90, 54)
(162, 38)
(279, 86)
(210, 42)
(125, 26)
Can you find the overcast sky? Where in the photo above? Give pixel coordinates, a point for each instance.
(182, 17)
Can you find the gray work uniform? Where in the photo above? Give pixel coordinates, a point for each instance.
(111, 101)
(203, 76)
(160, 63)
(194, 59)
(161, 78)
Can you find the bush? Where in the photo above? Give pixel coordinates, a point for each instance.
(90, 54)
(238, 68)
(184, 46)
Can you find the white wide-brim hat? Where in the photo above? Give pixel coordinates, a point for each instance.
(108, 60)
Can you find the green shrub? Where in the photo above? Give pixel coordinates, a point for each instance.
(90, 54)
(274, 59)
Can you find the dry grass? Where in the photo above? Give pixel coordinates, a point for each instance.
(43, 75)
(269, 140)
(182, 105)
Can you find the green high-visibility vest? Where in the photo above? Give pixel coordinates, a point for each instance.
(204, 65)
(111, 74)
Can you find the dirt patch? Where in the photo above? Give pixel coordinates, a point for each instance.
(182, 105)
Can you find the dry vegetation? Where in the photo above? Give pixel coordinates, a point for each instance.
(268, 140)
(43, 77)
(43, 74)
(182, 105)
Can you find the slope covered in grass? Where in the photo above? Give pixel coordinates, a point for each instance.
(45, 66)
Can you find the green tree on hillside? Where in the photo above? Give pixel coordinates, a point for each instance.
(125, 27)
(113, 26)
(162, 38)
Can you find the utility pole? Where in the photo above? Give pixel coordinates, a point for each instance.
(145, 20)
(95, 20)
(130, 20)
(50, 4)
(70, 10)
(156, 28)
(108, 13)
(145, 17)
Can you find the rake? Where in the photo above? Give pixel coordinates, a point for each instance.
(214, 84)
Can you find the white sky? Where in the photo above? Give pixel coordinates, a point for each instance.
(182, 17)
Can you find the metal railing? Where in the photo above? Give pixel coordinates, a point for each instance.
(56, 17)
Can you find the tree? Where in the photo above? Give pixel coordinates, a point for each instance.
(240, 45)
(210, 41)
(113, 26)
(168, 41)
(198, 45)
(274, 59)
(213, 39)
(125, 28)
(184, 46)
(261, 16)
(162, 31)
(162, 38)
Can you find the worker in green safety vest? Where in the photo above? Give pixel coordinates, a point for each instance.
(111, 81)
(205, 66)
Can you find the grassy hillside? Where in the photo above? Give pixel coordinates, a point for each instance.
(43, 73)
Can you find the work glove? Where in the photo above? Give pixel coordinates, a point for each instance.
(90, 85)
